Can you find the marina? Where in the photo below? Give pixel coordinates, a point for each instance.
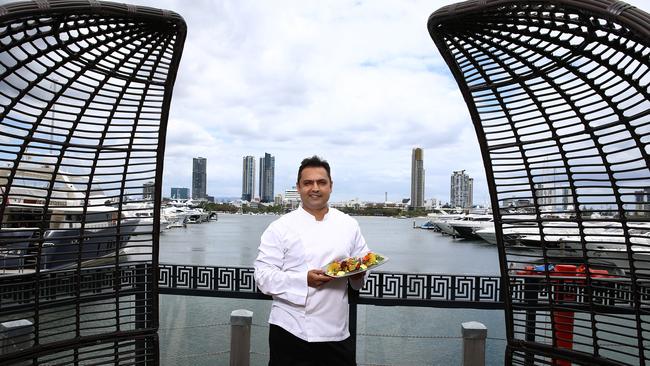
(605, 240)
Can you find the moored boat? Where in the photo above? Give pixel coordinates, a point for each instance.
(60, 228)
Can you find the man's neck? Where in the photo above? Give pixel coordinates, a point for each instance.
(318, 214)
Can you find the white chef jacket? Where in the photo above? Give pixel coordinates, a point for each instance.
(290, 247)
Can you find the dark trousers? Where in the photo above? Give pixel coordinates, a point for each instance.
(289, 350)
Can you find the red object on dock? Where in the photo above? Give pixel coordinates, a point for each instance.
(562, 320)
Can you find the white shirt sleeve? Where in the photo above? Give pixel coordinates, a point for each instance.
(359, 250)
(273, 275)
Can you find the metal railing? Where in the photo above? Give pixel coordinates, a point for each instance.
(381, 288)
(530, 292)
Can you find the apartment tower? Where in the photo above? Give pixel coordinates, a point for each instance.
(248, 179)
(148, 190)
(461, 190)
(199, 176)
(267, 177)
(417, 178)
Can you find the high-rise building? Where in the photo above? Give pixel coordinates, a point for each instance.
(642, 199)
(248, 179)
(267, 177)
(461, 190)
(544, 193)
(291, 197)
(199, 177)
(278, 200)
(148, 190)
(566, 199)
(417, 178)
(180, 193)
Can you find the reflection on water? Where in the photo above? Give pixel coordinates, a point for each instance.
(195, 330)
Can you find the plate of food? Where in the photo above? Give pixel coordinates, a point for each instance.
(353, 265)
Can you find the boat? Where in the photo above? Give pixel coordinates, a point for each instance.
(447, 226)
(440, 222)
(192, 213)
(466, 229)
(429, 225)
(58, 231)
(175, 217)
(604, 240)
(143, 210)
(511, 232)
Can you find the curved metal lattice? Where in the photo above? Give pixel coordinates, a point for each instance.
(85, 90)
(559, 92)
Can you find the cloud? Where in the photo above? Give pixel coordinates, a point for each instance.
(358, 82)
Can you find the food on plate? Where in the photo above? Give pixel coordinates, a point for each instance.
(371, 259)
(349, 265)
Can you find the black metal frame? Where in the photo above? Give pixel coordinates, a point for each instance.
(85, 92)
(558, 94)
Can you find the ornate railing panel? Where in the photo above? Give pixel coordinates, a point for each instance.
(208, 281)
(85, 91)
(558, 95)
(381, 288)
(443, 290)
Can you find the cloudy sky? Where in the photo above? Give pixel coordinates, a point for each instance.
(359, 83)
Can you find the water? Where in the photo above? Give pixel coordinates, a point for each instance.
(195, 331)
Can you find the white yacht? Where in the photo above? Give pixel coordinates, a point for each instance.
(72, 228)
(604, 240)
(466, 228)
(193, 214)
(144, 210)
(440, 222)
(449, 226)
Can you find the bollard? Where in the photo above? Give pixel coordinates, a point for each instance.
(240, 337)
(474, 335)
(15, 335)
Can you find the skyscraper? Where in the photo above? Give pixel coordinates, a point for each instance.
(267, 177)
(199, 178)
(462, 190)
(148, 190)
(417, 178)
(248, 179)
(642, 200)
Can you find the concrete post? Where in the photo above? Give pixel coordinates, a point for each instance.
(15, 335)
(240, 337)
(474, 335)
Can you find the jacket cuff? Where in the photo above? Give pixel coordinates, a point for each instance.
(299, 288)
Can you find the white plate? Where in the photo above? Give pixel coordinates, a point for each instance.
(347, 274)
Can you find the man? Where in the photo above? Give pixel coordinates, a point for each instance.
(309, 315)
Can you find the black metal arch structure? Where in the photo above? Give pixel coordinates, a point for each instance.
(558, 91)
(85, 92)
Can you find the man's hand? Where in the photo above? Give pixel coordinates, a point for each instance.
(316, 278)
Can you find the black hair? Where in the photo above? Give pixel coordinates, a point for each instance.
(314, 162)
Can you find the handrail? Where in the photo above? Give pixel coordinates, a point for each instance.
(382, 288)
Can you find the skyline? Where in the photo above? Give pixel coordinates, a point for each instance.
(249, 177)
(357, 83)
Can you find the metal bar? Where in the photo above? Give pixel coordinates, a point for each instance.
(353, 297)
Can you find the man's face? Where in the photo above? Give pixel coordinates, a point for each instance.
(315, 188)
